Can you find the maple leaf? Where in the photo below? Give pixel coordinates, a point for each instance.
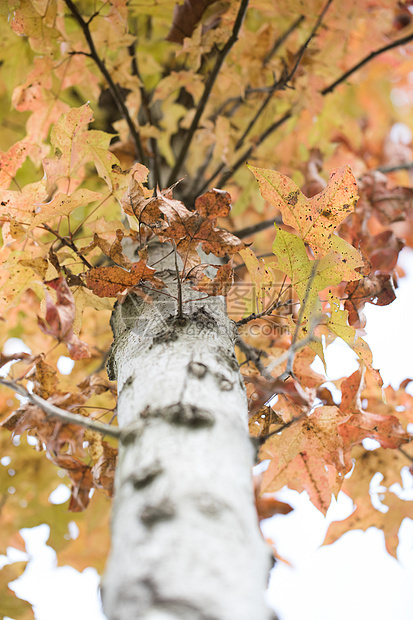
(301, 454)
(109, 281)
(62, 205)
(316, 218)
(386, 429)
(308, 277)
(59, 319)
(68, 136)
(365, 516)
(338, 324)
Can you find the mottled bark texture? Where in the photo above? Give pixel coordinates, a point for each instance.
(185, 539)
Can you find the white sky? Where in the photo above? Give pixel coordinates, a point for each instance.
(353, 578)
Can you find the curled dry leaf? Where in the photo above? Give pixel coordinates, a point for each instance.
(59, 319)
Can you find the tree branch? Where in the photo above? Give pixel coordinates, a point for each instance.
(243, 158)
(395, 168)
(248, 231)
(116, 94)
(64, 416)
(207, 90)
(280, 84)
(282, 39)
(69, 243)
(364, 61)
(254, 355)
(146, 106)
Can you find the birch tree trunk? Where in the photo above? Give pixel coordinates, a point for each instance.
(185, 538)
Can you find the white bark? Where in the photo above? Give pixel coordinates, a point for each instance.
(185, 539)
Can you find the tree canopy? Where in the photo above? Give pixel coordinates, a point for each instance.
(261, 133)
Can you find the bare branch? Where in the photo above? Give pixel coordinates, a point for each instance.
(146, 106)
(116, 93)
(254, 355)
(69, 243)
(395, 168)
(280, 84)
(64, 416)
(207, 90)
(245, 156)
(282, 39)
(364, 61)
(251, 230)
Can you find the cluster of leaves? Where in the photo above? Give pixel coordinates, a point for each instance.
(198, 90)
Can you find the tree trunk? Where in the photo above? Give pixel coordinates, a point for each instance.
(185, 538)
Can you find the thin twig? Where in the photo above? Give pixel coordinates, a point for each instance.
(282, 39)
(248, 231)
(258, 315)
(395, 168)
(405, 454)
(243, 158)
(69, 243)
(207, 90)
(254, 355)
(179, 284)
(116, 93)
(55, 412)
(146, 106)
(261, 438)
(314, 268)
(285, 78)
(365, 60)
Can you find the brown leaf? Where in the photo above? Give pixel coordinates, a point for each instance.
(104, 469)
(386, 429)
(81, 478)
(185, 18)
(220, 285)
(109, 281)
(59, 319)
(45, 380)
(376, 289)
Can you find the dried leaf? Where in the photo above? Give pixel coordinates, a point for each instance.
(109, 281)
(59, 319)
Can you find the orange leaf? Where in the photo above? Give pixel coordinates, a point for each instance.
(109, 281)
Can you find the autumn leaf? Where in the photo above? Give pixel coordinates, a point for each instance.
(301, 454)
(62, 205)
(68, 136)
(308, 277)
(220, 285)
(11, 605)
(261, 276)
(185, 18)
(366, 516)
(315, 219)
(59, 319)
(109, 281)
